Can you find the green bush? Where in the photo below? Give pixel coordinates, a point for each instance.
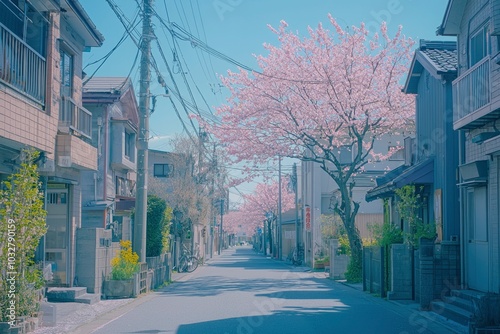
(386, 234)
(354, 273)
(409, 202)
(159, 216)
(22, 224)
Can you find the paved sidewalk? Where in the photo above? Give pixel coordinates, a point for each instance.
(70, 316)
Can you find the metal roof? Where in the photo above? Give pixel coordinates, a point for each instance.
(107, 85)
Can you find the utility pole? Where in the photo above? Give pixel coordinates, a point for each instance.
(278, 229)
(220, 228)
(212, 202)
(296, 190)
(140, 224)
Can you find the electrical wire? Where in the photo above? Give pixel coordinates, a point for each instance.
(184, 35)
(122, 19)
(106, 57)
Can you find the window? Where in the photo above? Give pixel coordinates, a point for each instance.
(130, 145)
(66, 73)
(478, 47)
(163, 170)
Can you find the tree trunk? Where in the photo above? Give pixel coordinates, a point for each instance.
(356, 245)
(347, 212)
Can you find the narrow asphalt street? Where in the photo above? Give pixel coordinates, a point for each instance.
(244, 292)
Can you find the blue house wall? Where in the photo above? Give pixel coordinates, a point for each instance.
(436, 138)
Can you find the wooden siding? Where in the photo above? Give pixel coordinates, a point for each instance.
(435, 137)
(365, 220)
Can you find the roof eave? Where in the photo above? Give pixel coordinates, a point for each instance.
(413, 75)
(452, 18)
(87, 28)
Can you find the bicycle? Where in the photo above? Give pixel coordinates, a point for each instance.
(187, 262)
(297, 256)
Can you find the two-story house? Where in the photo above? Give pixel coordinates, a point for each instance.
(108, 194)
(431, 163)
(319, 194)
(476, 112)
(41, 46)
(171, 178)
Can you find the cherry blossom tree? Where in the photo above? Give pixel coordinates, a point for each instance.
(256, 208)
(315, 95)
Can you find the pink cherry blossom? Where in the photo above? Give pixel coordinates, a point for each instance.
(315, 94)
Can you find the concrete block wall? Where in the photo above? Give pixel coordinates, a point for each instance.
(94, 257)
(436, 272)
(446, 268)
(86, 268)
(426, 266)
(338, 263)
(401, 272)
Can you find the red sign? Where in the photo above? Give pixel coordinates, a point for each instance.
(308, 218)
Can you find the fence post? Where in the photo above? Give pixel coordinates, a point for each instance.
(364, 271)
(382, 272)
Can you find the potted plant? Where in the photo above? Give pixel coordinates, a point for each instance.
(124, 267)
(321, 262)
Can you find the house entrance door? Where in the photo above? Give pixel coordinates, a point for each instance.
(56, 244)
(477, 239)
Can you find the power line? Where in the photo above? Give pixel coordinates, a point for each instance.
(122, 19)
(187, 36)
(106, 57)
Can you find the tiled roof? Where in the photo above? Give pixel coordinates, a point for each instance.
(106, 84)
(443, 55)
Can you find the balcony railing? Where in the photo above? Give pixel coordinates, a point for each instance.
(471, 90)
(74, 117)
(21, 67)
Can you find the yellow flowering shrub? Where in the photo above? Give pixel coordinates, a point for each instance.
(126, 263)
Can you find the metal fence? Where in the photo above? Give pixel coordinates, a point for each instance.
(160, 268)
(471, 90)
(75, 117)
(21, 67)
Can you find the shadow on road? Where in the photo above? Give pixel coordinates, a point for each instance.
(341, 319)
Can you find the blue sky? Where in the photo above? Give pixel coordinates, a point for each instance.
(236, 28)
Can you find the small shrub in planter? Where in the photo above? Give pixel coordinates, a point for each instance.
(124, 266)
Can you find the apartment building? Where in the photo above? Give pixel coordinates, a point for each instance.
(41, 46)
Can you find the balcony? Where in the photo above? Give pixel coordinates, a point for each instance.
(125, 188)
(74, 119)
(21, 67)
(472, 102)
(72, 152)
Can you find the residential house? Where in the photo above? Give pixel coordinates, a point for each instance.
(476, 111)
(431, 164)
(108, 194)
(319, 194)
(41, 45)
(171, 178)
